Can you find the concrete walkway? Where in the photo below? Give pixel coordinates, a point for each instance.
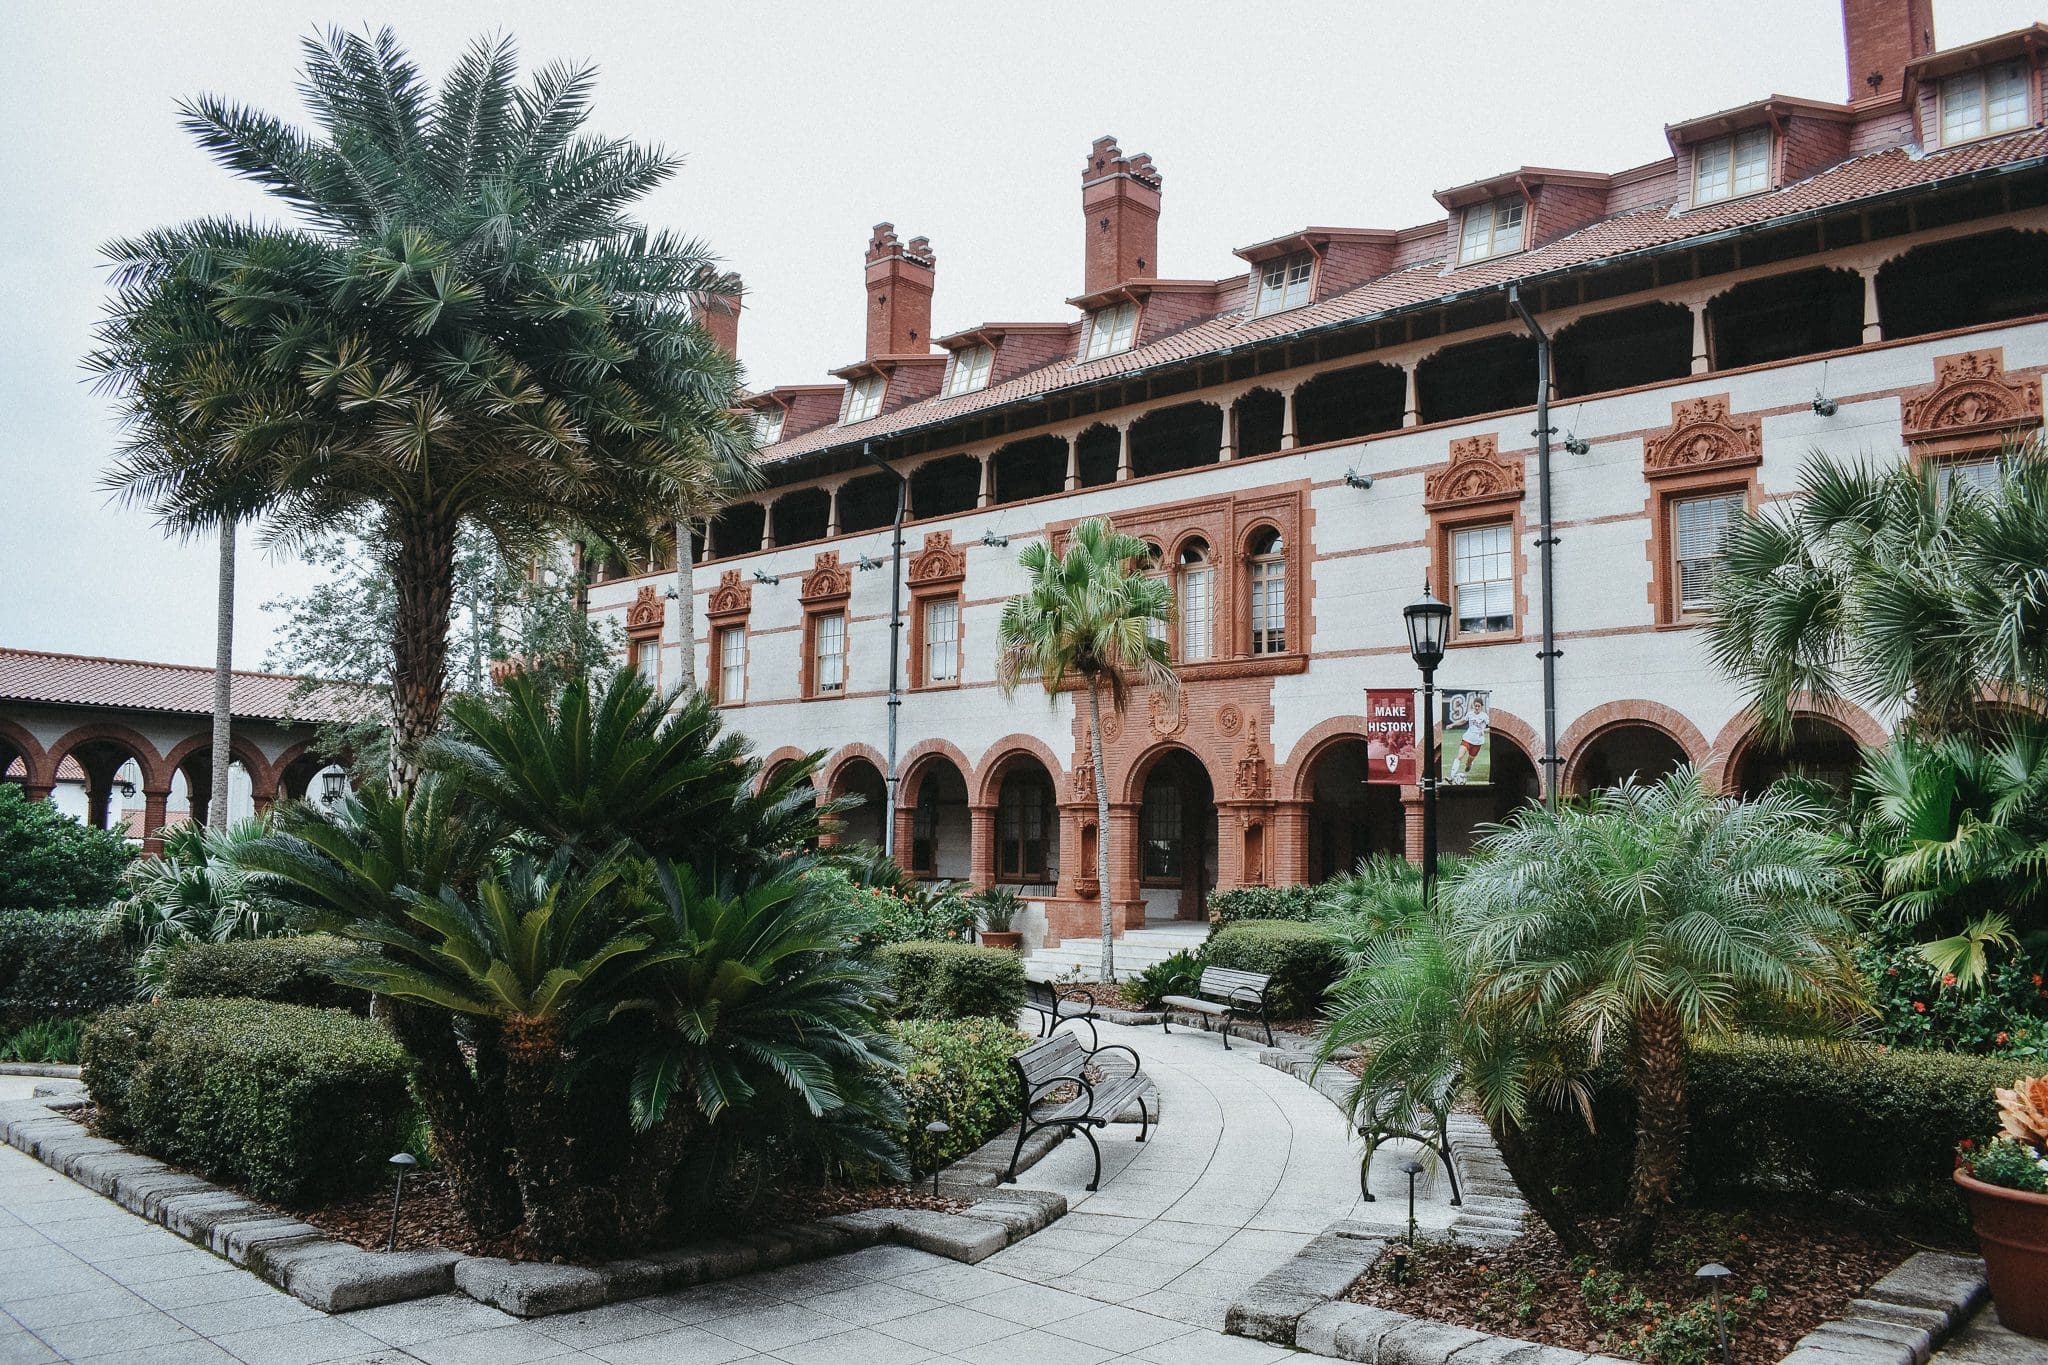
(1249, 1165)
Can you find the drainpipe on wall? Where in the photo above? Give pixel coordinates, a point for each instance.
(1546, 540)
(867, 452)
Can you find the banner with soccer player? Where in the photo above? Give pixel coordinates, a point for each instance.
(1390, 736)
(1467, 757)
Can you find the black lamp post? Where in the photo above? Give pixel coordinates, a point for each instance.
(1411, 1168)
(935, 1133)
(1429, 623)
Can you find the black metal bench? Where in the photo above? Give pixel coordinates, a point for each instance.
(1376, 1127)
(1226, 994)
(1056, 1091)
(1055, 1006)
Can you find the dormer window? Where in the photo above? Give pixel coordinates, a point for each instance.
(1991, 99)
(767, 426)
(1110, 330)
(1492, 229)
(969, 372)
(1729, 167)
(864, 399)
(1285, 283)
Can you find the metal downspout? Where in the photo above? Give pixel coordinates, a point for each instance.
(1546, 541)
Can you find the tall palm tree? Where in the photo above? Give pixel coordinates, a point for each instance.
(1090, 613)
(1889, 586)
(468, 327)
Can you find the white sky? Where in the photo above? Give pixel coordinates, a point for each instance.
(804, 124)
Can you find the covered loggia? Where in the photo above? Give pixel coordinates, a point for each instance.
(863, 824)
(941, 831)
(1818, 750)
(802, 514)
(1100, 447)
(1964, 282)
(1176, 845)
(1488, 375)
(1031, 468)
(1348, 818)
(1622, 349)
(1341, 405)
(1628, 749)
(945, 487)
(867, 503)
(736, 530)
(1184, 436)
(1783, 316)
(1260, 416)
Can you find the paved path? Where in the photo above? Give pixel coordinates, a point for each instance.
(1249, 1165)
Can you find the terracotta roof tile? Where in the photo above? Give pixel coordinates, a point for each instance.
(28, 675)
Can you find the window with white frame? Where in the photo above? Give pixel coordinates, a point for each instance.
(969, 373)
(1153, 566)
(1728, 167)
(1110, 330)
(1978, 473)
(732, 664)
(942, 640)
(1991, 99)
(1483, 579)
(1284, 284)
(864, 400)
(1197, 600)
(767, 426)
(1491, 229)
(1699, 531)
(1268, 574)
(646, 660)
(828, 651)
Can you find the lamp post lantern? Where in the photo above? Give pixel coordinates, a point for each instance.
(1429, 623)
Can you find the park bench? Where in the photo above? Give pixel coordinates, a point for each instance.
(1376, 1125)
(1061, 1084)
(1055, 1006)
(1225, 994)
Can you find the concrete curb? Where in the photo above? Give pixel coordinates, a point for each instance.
(1904, 1318)
(67, 1070)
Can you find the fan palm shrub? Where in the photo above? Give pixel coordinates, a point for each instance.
(1094, 615)
(195, 890)
(460, 326)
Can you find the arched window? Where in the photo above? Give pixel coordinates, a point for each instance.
(1154, 566)
(1267, 575)
(1196, 594)
(1024, 828)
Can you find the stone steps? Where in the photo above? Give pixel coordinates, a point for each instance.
(1135, 951)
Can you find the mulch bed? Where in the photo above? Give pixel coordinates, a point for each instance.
(1809, 1263)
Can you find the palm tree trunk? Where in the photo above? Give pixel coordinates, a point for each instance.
(423, 574)
(1658, 1069)
(1101, 827)
(223, 675)
(686, 603)
(564, 1216)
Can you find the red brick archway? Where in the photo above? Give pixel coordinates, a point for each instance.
(1581, 733)
(1744, 730)
(155, 776)
(788, 753)
(262, 773)
(39, 774)
(986, 781)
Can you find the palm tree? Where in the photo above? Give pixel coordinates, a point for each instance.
(1092, 613)
(1891, 587)
(463, 327)
(1646, 918)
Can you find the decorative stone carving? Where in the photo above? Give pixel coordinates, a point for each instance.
(1254, 771)
(1474, 473)
(1229, 720)
(1112, 727)
(732, 596)
(645, 615)
(827, 578)
(939, 560)
(1169, 715)
(1082, 780)
(1704, 436)
(1971, 396)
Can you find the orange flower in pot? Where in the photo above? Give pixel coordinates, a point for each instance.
(2007, 1185)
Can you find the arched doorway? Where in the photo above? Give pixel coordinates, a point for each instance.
(1512, 784)
(1819, 751)
(1176, 845)
(1027, 835)
(1349, 819)
(862, 824)
(192, 789)
(1628, 749)
(941, 834)
(102, 777)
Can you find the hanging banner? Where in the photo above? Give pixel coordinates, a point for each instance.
(1468, 726)
(1390, 736)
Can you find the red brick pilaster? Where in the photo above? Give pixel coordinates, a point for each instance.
(981, 845)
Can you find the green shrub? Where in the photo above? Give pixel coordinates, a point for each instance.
(46, 1040)
(1918, 1006)
(49, 861)
(1303, 902)
(1302, 959)
(295, 1105)
(60, 963)
(1180, 974)
(899, 914)
(956, 1071)
(1877, 1124)
(954, 980)
(286, 971)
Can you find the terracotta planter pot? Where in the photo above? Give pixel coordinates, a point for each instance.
(2012, 1231)
(991, 939)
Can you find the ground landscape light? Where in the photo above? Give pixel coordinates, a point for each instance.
(401, 1163)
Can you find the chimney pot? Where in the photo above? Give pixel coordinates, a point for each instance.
(719, 315)
(899, 281)
(1120, 196)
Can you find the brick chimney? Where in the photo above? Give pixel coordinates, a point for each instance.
(1882, 36)
(899, 293)
(1120, 198)
(719, 314)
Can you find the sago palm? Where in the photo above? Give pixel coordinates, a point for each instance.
(1648, 917)
(1091, 613)
(473, 329)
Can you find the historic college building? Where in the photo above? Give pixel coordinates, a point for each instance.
(1305, 441)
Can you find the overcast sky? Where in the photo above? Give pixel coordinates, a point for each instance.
(803, 125)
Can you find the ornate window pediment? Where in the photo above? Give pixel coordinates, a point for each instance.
(1704, 436)
(732, 597)
(940, 561)
(646, 614)
(827, 579)
(1970, 396)
(1475, 473)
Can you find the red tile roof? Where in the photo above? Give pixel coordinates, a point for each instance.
(1860, 178)
(28, 675)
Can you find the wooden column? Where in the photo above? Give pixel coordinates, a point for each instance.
(767, 525)
(1411, 410)
(1073, 461)
(1873, 325)
(1228, 450)
(986, 495)
(1287, 438)
(1123, 452)
(832, 510)
(1700, 360)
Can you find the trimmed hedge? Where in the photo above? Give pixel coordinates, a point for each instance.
(1301, 958)
(295, 1105)
(285, 971)
(1880, 1125)
(60, 963)
(953, 980)
(958, 1071)
(1302, 902)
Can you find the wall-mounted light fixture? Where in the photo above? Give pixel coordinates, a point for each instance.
(1575, 444)
(770, 579)
(1354, 479)
(994, 541)
(866, 562)
(1824, 406)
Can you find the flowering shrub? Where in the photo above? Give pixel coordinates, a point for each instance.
(1920, 1006)
(894, 914)
(2011, 1164)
